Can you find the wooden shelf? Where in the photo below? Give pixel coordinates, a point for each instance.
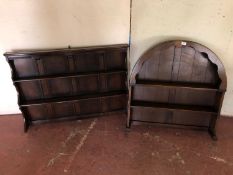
(67, 51)
(186, 85)
(80, 74)
(73, 98)
(82, 116)
(168, 106)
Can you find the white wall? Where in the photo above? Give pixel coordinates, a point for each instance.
(209, 22)
(37, 24)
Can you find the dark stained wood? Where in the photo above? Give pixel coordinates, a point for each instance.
(72, 83)
(173, 107)
(177, 82)
(76, 107)
(159, 115)
(71, 98)
(71, 86)
(69, 75)
(197, 86)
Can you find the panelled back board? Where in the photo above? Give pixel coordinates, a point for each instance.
(177, 82)
(70, 83)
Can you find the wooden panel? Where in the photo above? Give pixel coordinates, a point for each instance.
(37, 112)
(174, 107)
(79, 108)
(174, 95)
(87, 84)
(116, 81)
(165, 63)
(55, 64)
(59, 87)
(155, 94)
(199, 68)
(150, 115)
(187, 118)
(90, 106)
(194, 97)
(177, 64)
(115, 59)
(148, 72)
(186, 64)
(170, 117)
(116, 103)
(31, 90)
(25, 67)
(41, 112)
(77, 85)
(87, 62)
(63, 109)
(211, 75)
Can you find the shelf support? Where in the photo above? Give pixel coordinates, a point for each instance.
(26, 125)
(128, 110)
(26, 120)
(211, 128)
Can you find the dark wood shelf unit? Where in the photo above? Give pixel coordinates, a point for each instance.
(73, 83)
(177, 83)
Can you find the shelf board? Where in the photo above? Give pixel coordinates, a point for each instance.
(175, 125)
(177, 107)
(19, 54)
(80, 74)
(79, 117)
(73, 98)
(198, 86)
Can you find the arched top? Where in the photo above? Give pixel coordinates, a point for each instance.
(180, 61)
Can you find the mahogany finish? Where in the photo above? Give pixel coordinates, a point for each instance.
(177, 83)
(72, 83)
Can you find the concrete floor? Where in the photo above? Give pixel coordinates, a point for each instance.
(103, 147)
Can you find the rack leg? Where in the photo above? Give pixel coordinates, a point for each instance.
(211, 129)
(128, 125)
(213, 135)
(26, 125)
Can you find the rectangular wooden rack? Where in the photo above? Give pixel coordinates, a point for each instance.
(72, 83)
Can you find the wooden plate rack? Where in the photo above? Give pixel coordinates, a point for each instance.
(177, 83)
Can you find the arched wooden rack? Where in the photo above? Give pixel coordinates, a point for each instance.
(177, 82)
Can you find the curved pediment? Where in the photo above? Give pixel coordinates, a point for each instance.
(180, 61)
